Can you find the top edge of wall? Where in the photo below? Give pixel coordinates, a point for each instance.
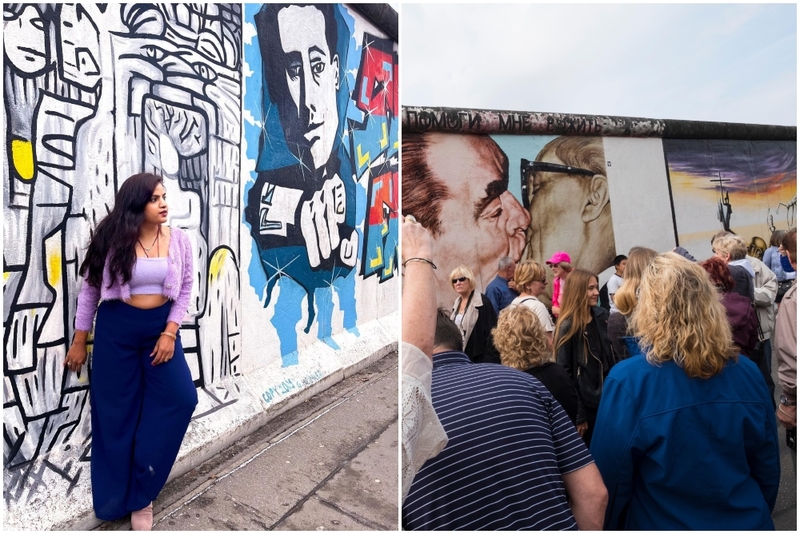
(381, 15)
(419, 119)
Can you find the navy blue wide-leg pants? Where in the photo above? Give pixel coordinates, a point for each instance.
(140, 412)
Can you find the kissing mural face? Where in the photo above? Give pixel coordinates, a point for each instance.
(478, 220)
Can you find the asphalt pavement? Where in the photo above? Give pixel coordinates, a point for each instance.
(330, 463)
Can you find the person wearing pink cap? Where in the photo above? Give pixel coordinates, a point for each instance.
(561, 265)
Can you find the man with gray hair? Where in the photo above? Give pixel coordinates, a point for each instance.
(501, 290)
(732, 251)
(514, 460)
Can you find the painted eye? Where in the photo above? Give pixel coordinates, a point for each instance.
(317, 67)
(205, 72)
(293, 70)
(154, 52)
(493, 214)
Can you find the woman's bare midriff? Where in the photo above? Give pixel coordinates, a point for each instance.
(147, 302)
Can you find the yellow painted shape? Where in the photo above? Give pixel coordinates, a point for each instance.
(385, 138)
(389, 267)
(377, 261)
(6, 275)
(53, 262)
(54, 268)
(22, 155)
(362, 159)
(217, 262)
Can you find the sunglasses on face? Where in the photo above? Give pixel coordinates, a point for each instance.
(527, 167)
(463, 278)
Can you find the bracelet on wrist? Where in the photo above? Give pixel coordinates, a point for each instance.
(170, 334)
(424, 260)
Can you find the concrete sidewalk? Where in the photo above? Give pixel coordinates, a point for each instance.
(330, 463)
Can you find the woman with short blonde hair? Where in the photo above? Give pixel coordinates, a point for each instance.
(521, 339)
(523, 345)
(530, 279)
(685, 409)
(474, 315)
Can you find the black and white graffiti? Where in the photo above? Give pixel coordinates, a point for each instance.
(93, 94)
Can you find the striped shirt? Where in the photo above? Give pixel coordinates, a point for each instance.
(509, 444)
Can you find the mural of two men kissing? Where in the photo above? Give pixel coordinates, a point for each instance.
(320, 125)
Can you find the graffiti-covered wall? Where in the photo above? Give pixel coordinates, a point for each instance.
(275, 130)
(321, 194)
(492, 184)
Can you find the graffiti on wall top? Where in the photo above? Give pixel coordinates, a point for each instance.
(95, 93)
(421, 119)
(322, 136)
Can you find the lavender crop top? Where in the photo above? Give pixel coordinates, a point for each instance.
(148, 275)
(176, 285)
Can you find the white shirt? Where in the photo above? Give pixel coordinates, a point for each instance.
(538, 308)
(614, 283)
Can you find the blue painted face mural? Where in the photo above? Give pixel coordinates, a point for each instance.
(324, 142)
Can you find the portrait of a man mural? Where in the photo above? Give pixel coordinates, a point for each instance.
(301, 208)
(566, 192)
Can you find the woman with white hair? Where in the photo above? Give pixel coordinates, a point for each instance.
(686, 438)
(474, 315)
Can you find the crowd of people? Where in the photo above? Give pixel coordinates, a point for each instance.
(653, 409)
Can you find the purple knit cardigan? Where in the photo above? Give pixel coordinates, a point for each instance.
(177, 285)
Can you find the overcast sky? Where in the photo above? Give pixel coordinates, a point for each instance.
(711, 62)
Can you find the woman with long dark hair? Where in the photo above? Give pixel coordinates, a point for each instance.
(581, 342)
(140, 273)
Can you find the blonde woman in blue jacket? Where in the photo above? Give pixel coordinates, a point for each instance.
(686, 437)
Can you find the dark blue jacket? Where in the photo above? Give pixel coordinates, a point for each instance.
(499, 294)
(680, 453)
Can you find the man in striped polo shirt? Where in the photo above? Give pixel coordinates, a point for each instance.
(513, 456)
